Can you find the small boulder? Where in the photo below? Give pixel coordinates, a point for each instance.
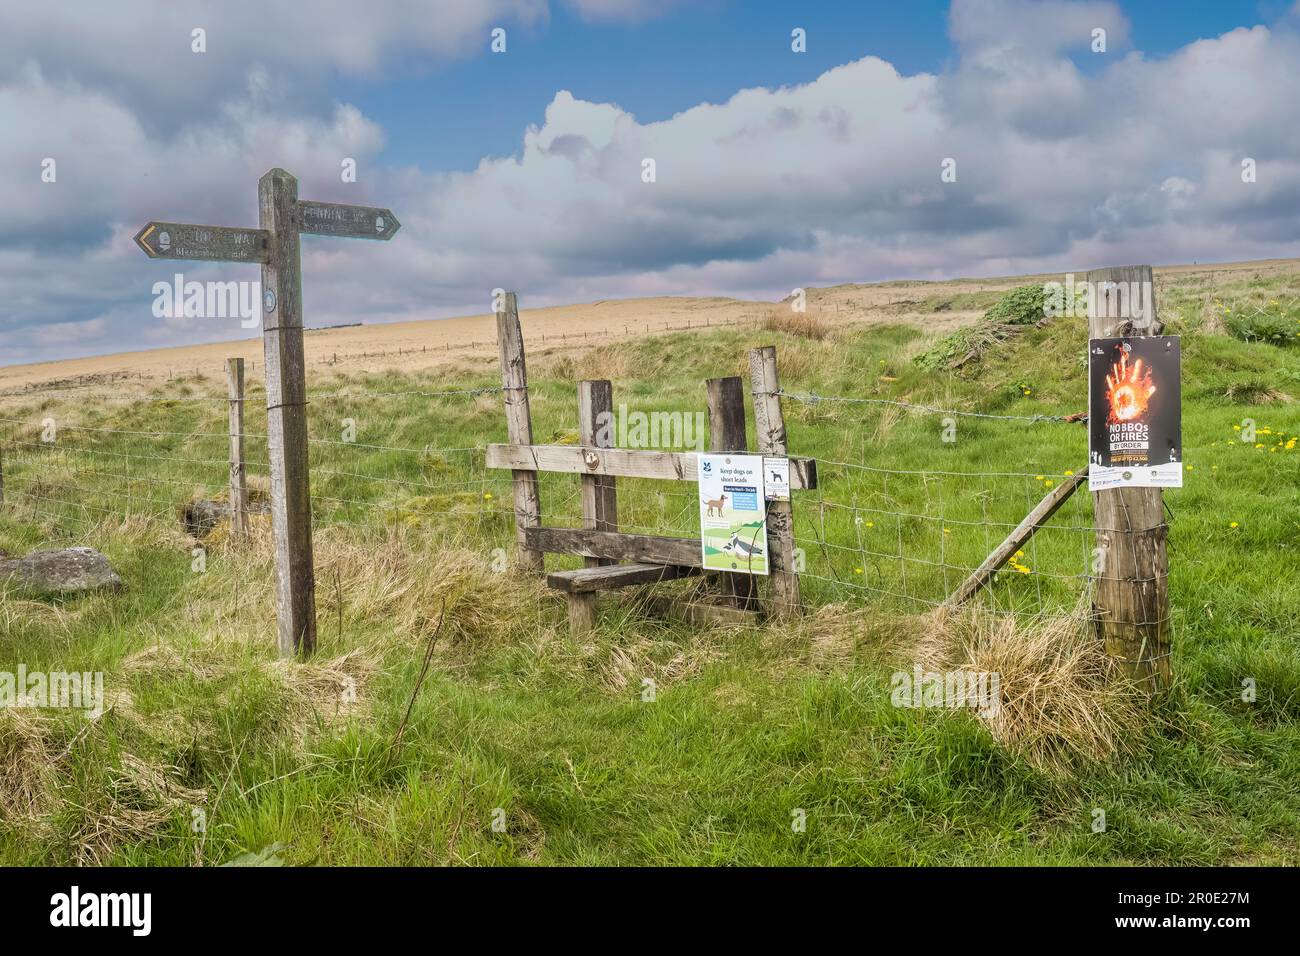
(202, 516)
(61, 571)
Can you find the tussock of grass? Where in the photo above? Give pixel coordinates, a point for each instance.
(1062, 701)
(138, 802)
(804, 325)
(27, 773)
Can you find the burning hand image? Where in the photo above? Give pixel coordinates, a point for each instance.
(1128, 390)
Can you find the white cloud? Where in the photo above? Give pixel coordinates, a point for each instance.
(141, 50)
(1059, 167)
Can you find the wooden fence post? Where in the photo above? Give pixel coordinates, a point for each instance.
(596, 429)
(238, 470)
(519, 423)
(1130, 597)
(2, 474)
(286, 409)
(769, 424)
(726, 402)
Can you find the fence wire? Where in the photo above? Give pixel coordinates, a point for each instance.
(900, 538)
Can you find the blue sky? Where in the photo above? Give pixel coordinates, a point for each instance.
(524, 170)
(487, 100)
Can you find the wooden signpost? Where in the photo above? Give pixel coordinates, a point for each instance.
(181, 240)
(283, 217)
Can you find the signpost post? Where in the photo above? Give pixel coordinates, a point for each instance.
(283, 217)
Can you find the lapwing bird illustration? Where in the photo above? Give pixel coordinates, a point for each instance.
(738, 547)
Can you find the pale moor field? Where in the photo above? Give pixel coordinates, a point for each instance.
(524, 744)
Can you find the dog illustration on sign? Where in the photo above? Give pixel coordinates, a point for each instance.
(715, 504)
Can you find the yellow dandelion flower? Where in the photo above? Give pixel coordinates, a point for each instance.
(1233, 524)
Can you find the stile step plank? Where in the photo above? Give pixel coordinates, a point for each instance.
(590, 580)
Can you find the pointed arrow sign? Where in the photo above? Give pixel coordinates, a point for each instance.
(182, 240)
(353, 222)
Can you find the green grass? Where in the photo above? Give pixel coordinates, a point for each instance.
(748, 725)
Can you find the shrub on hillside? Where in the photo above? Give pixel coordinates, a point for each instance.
(1020, 306)
(1018, 309)
(1277, 328)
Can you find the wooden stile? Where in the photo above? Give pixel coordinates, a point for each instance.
(595, 428)
(617, 546)
(623, 462)
(726, 402)
(769, 424)
(519, 426)
(238, 468)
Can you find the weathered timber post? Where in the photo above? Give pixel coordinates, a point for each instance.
(275, 245)
(519, 424)
(599, 498)
(726, 402)
(596, 429)
(769, 424)
(286, 409)
(1130, 597)
(238, 469)
(2, 474)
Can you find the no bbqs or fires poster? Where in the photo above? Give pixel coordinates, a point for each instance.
(1135, 416)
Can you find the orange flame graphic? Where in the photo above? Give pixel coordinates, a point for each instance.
(1128, 390)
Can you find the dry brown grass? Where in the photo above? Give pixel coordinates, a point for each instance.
(27, 774)
(405, 579)
(139, 803)
(805, 325)
(1062, 702)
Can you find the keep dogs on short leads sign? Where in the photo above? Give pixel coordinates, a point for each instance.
(1135, 413)
(733, 514)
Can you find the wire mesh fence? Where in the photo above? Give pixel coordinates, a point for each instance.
(869, 534)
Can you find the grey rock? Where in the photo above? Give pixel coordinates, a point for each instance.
(61, 571)
(201, 516)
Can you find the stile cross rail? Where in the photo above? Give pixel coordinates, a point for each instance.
(283, 217)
